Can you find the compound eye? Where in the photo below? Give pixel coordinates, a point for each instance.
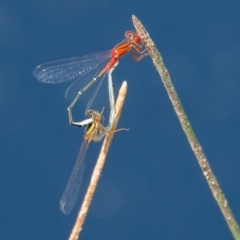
(90, 113)
(137, 38)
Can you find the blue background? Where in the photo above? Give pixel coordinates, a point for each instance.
(151, 186)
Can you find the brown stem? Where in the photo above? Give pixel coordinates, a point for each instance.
(98, 167)
(187, 128)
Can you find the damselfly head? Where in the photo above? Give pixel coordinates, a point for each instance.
(137, 38)
(89, 112)
(96, 116)
(134, 37)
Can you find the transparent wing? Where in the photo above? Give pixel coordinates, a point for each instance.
(95, 92)
(82, 81)
(69, 69)
(71, 192)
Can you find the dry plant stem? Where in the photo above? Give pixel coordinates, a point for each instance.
(196, 147)
(98, 167)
